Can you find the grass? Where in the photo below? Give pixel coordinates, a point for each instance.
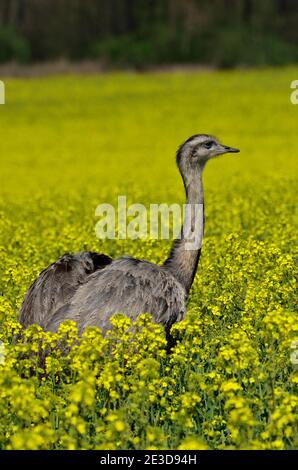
(70, 143)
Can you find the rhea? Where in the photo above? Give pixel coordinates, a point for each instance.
(89, 288)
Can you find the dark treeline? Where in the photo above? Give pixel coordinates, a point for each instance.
(146, 32)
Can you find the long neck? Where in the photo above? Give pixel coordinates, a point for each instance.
(185, 253)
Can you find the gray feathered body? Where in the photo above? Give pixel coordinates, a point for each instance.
(129, 286)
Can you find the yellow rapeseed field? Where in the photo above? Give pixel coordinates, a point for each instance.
(70, 143)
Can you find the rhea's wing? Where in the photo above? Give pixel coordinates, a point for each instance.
(127, 286)
(56, 285)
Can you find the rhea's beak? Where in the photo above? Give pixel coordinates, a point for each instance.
(226, 149)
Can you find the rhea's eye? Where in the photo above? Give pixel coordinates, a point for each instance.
(208, 144)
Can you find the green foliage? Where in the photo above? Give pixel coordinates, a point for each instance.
(224, 47)
(13, 46)
(157, 45)
(140, 34)
(72, 143)
(248, 47)
(125, 50)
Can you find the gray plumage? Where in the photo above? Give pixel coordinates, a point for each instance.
(89, 288)
(130, 286)
(57, 284)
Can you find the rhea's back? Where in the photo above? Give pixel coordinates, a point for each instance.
(128, 286)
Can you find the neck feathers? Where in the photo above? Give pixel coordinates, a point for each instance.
(185, 253)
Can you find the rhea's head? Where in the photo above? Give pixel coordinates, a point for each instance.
(198, 149)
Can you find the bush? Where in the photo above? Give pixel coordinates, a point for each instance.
(158, 46)
(227, 48)
(232, 47)
(125, 50)
(13, 46)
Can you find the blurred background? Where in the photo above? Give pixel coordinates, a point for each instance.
(146, 33)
